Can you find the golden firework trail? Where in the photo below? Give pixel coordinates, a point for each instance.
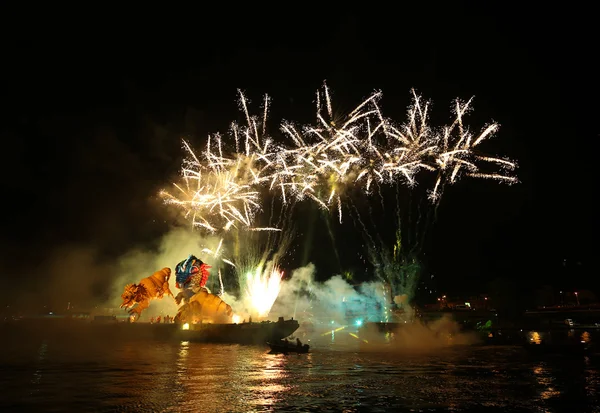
(329, 160)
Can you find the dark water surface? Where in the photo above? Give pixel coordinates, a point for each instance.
(54, 375)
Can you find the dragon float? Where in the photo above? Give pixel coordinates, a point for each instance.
(191, 276)
(199, 305)
(137, 297)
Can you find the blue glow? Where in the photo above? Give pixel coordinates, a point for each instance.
(359, 323)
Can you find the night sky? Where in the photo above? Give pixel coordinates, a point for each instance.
(94, 108)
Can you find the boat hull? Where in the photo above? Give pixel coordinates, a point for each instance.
(245, 333)
(292, 348)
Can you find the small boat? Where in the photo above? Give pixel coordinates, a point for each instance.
(283, 347)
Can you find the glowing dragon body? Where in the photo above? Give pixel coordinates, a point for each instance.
(137, 297)
(204, 306)
(199, 304)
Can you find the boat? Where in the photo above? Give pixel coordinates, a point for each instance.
(242, 333)
(283, 347)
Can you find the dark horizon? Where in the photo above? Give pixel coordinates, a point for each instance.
(93, 121)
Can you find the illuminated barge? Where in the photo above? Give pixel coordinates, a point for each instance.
(242, 333)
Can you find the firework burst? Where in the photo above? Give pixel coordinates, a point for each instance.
(335, 154)
(329, 162)
(221, 188)
(213, 197)
(458, 154)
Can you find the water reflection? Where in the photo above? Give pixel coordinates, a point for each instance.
(192, 377)
(592, 379)
(270, 381)
(567, 384)
(179, 391)
(37, 375)
(309, 363)
(545, 380)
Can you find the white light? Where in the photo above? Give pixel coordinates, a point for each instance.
(186, 326)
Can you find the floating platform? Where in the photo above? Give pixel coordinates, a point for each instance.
(243, 333)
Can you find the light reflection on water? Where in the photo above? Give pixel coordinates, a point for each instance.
(136, 376)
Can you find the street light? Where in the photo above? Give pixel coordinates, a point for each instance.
(577, 297)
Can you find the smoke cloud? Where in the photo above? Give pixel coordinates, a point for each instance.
(333, 299)
(333, 313)
(80, 279)
(416, 336)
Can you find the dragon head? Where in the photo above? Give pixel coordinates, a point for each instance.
(191, 271)
(129, 296)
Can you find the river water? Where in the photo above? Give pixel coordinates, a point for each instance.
(54, 375)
